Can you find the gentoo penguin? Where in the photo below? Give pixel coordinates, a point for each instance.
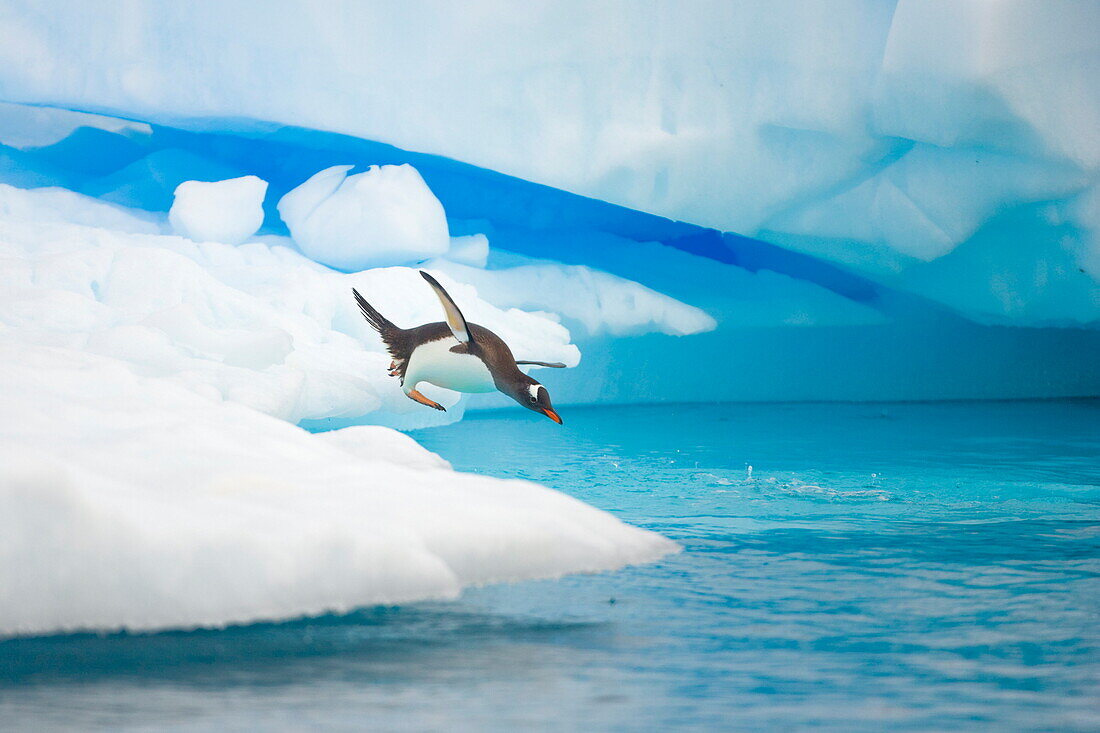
(456, 355)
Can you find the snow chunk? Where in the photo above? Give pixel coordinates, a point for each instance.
(386, 215)
(227, 211)
(131, 503)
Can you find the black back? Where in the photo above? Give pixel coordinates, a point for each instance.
(484, 344)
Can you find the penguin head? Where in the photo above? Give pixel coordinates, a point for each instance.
(534, 396)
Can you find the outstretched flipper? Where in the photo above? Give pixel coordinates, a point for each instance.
(455, 320)
(552, 364)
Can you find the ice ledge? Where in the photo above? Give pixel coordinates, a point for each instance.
(130, 503)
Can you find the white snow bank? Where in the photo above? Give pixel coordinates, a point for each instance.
(878, 134)
(383, 216)
(132, 503)
(227, 211)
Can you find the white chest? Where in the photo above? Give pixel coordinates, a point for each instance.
(434, 362)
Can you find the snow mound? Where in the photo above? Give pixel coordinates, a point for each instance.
(227, 211)
(383, 216)
(132, 503)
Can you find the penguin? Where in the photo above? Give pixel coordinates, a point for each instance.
(457, 355)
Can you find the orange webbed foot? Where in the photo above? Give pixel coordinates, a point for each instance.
(415, 395)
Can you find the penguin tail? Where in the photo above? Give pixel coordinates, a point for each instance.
(396, 339)
(377, 321)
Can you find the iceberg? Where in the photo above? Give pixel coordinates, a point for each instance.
(916, 141)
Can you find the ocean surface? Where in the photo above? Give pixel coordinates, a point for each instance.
(845, 567)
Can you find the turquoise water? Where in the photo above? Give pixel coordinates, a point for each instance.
(907, 567)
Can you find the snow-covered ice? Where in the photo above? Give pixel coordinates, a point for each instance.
(130, 502)
(385, 215)
(228, 211)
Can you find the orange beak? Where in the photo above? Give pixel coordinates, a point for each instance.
(552, 415)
